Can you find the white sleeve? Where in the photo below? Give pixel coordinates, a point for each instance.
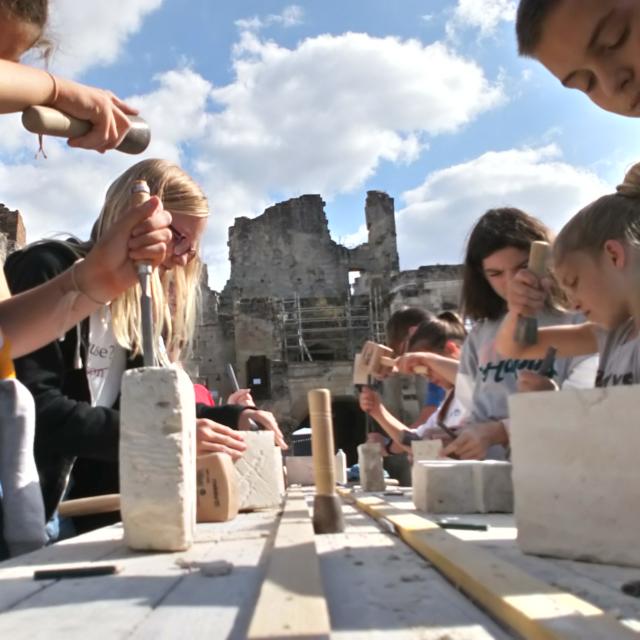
(582, 374)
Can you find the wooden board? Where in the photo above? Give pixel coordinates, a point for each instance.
(599, 584)
(377, 587)
(531, 607)
(156, 595)
(292, 602)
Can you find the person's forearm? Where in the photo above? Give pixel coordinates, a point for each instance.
(505, 339)
(447, 368)
(494, 433)
(392, 426)
(38, 316)
(22, 86)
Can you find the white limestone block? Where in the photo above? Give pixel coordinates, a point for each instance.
(576, 473)
(443, 486)
(157, 459)
(300, 469)
(260, 472)
(426, 449)
(462, 486)
(494, 486)
(371, 469)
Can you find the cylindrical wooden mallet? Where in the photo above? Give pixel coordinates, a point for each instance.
(51, 122)
(327, 508)
(527, 328)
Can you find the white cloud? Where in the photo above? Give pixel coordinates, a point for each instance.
(359, 236)
(318, 118)
(290, 17)
(322, 117)
(93, 33)
(433, 226)
(484, 15)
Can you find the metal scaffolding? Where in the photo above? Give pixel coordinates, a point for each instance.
(330, 329)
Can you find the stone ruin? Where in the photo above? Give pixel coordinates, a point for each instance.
(289, 320)
(298, 306)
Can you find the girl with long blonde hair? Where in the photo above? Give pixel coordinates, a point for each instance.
(76, 381)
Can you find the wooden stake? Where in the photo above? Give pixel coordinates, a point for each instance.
(322, 441)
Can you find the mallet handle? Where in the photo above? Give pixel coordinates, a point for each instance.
(51, 122)
(90, 506)
(385, 361)
(322, 441)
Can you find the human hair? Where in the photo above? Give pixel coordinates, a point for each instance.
(612, 217)
(176, 292)
(434, 334)
(35, 12)
(530, 21)
(32, 11)
(401, 321)
(498, 229)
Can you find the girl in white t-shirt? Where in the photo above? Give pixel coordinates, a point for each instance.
(443, 336)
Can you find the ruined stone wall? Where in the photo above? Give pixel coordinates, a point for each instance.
(12, 227)
(286, 251)
(435, 288)
(214, 344)
(378, 257)
(290, 383)
(257, 331)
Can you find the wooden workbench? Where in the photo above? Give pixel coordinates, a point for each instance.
(375, 585)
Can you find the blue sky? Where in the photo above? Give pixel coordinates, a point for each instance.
(264, 101)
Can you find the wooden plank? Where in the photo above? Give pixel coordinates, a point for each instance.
(531, 607)
(168, 585)
(203, 607)
(599, 584)
(16, 575)
(378, 587)
(292, 603)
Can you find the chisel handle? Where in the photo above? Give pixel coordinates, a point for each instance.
(89, 506)
(140, 193)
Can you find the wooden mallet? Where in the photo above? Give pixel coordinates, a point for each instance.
(375, 358)
(527, 328)
(51, 122)
(327, 508)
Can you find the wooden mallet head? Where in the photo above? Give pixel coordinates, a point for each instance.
(527, 328)
(376, 359)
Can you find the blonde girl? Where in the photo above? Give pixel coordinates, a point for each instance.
(596, 259)
(76, 381)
